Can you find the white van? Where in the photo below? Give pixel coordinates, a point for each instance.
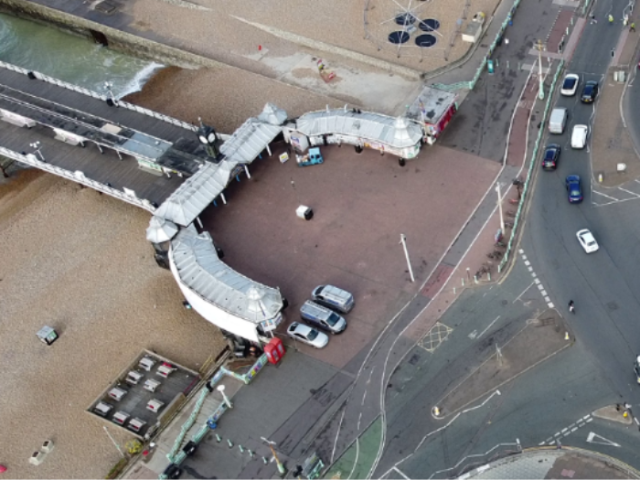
(322, 317)
(558, 120)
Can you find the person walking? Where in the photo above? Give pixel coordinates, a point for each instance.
(572, 307)
(610, 19)
(632, 27)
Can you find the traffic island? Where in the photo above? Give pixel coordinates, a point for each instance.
(509, 361)
(614, 413)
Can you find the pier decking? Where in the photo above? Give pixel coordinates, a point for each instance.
(115, 140)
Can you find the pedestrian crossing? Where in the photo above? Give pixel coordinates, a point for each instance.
(602, 196)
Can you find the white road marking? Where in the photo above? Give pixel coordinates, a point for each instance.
(530, 269)
(540, 287)
(527, 263)
(629, 192)
(359, 419)
(485, 330)
(537, 281)
(355, 462)
(364, 396)
(523, 292)
(573, 430)
(600, 440)
(590, 420)
(605, 195)
(524, 257)
(397, 470)
(549, 304)
(520, 251)
(544, 294)
(533, 274)
(335, 443)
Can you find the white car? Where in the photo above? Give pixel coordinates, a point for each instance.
(585, 237)
(579, 136)
(570, 85)
(308, 335)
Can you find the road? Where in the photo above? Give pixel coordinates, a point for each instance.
(554, 401)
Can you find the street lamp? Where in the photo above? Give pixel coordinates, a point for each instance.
(220, 388)
(36, 147)
(403, 241)
(500, 207)
(281, 470)
(540, 78)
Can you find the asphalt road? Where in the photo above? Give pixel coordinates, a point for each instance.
(603, 284)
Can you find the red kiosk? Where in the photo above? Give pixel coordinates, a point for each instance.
(434, 109)
(274, 350)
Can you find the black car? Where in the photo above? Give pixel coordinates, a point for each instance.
(551, 157)
(589, 92)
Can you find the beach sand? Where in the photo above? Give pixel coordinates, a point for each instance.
(78, 261)
(224, 97)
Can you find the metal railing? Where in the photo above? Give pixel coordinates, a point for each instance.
(470, 85)
(532, 163)
(98, 96)
(78, 177)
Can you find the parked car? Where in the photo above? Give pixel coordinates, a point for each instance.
(586, 239)
(308, 335)
(570, 85)
(574, 188)
(579, 136)
(322, 317)
(333, 297)
(589, 92)
(551, 157)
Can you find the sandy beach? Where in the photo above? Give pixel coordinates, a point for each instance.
(78, 261)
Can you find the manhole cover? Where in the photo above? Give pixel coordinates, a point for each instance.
(405, 19)
(398, 37)
(426, 40)
(429, 25)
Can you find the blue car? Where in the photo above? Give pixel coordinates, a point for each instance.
(574, 188)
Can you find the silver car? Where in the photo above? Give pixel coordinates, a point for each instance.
(333, 297)
(308, 335)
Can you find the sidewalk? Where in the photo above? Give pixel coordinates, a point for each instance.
(611, 142)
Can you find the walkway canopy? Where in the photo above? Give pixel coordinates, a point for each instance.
(397, 133)
(195, 262)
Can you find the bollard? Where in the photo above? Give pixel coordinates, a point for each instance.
(218, 438)
(489, 276)
(241, 448)
(566, 335)
(230, 443)
(475, 278)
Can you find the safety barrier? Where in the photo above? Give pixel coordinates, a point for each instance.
(78, 177)
(470, 85)
(97, 96)
(532, 163)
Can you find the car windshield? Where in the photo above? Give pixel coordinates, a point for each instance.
(591, 243)
(588, 89)
(569, 83)
(575, 193)
(333, 319)
(312, 335)
(549, 154)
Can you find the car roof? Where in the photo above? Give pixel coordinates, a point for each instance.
(553, 146)
(299, 327)
(580, 127)
(573, 178)
(591, 83)
(585, 232)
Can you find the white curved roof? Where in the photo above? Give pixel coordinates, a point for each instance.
(200, 269)
(196, 193)
(396, 132)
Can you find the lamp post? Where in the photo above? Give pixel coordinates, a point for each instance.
(36, 147)
(403, 241)
(281, 470)
(540, 78)
(220, 388)
(500, 207)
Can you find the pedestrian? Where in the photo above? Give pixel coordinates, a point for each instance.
(632, 27)
(593, 19)
(610, 19)
(627, 406)
(618, 407)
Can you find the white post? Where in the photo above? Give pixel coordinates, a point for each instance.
(403, 241)
(541, 79)
(220, 388)
(500, 207)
